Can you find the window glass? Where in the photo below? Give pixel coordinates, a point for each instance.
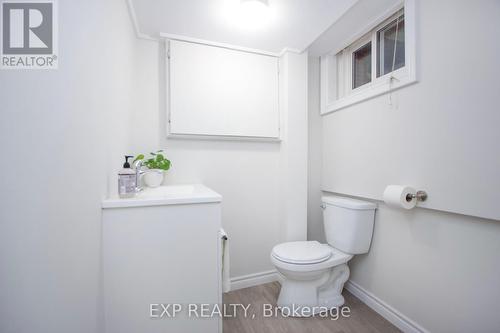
(362, 66)
(391, 47)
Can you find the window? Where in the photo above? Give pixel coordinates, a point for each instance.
(362, 66)
(391, 46)
(379, 61)
(389, 39)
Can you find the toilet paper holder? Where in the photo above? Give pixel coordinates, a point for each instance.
(421, 196)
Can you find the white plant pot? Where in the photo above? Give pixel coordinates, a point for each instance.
(153, 178)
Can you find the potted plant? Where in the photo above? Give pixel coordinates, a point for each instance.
(157, 164)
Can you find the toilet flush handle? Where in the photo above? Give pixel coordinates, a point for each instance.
(323, 206)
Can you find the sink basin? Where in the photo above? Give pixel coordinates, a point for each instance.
(166, 195)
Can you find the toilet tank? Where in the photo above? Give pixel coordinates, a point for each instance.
(348, 223)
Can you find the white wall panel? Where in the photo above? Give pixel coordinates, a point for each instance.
(222, 92)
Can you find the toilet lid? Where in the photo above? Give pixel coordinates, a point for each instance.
(308, 252)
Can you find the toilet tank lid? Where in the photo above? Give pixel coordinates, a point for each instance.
(348, 202)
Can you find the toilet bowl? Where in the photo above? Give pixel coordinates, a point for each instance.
(313, 274)
(314, 280)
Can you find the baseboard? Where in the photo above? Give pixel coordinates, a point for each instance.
(250, 280)
(399, 320)
(392, 315)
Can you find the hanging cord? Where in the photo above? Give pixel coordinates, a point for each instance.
(393, 61)
(395, 47)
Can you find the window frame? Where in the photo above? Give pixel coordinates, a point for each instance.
(336, 66)
(350, 62)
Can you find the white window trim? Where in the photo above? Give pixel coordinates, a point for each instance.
(404, 76)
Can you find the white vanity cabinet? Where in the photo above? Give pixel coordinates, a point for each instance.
(161, 247)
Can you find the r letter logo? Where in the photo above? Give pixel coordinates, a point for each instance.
(29, 35)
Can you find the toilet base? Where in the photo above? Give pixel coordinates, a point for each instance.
(304, 295)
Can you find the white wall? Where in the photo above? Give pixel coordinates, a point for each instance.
(257, 180)
(61, 132)
(63, 135)
(439, 269)
(315, 144)
(425, 138)
(293, 73)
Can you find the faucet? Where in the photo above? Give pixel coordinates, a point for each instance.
(138, 172)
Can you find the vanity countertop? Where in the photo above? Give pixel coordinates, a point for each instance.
(165, 195)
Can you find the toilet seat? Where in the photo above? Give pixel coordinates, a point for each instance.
(302, 253)
(337, 257)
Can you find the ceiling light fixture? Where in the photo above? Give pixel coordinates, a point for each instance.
(254, 13)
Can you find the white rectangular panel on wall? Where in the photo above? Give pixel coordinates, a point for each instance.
(215, 91)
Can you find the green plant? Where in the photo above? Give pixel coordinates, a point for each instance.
(156, 161)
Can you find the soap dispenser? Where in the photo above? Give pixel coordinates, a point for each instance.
(126, 180)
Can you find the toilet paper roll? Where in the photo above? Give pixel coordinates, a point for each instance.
(396, 196)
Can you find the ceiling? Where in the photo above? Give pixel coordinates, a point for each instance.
(292, 24)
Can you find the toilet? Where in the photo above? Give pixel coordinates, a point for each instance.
(313, 274)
